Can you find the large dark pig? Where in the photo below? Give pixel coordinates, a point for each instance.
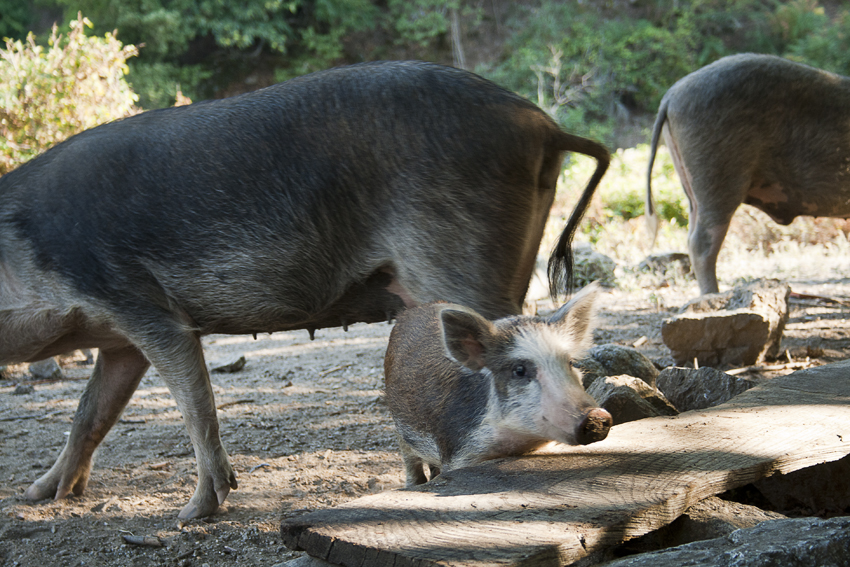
(760, 130)
(463, 389)
(338, 197)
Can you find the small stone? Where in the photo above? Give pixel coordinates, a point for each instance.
(694, 389)
(23, 390)
(614, 360)
(47, 369)
(662, 262)
(628, 398)
(229, 367)
(590, 266)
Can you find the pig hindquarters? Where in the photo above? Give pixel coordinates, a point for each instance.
(754, 129)
(463, 389)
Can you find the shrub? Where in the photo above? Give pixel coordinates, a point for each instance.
(826, 46)
(48, 95)
(614, 222)
(621, 193)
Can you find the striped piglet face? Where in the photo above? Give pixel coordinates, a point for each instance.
(536, 393)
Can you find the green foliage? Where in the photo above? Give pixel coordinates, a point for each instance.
(166, 27)
(801, 30)
(420, 22)
(318, 43)
(49, 94)
(586, 70)
(620, 195)
(644, 59)
(213, 37)
(157, 83)
(593, 65)
(829, 49)
(794, 21)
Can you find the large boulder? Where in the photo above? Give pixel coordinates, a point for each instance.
(797, 542)
(738, 327)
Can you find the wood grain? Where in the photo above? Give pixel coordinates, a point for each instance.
(558, 507)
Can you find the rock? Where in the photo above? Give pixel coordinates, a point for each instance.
(793, 542)
(662, 262)
(807, 488)
(590, 266)
(47, 369)
(693, 389)
(229, 367)
(739, 327)
(88, 354)
(806, 351)
(628, 398)
(614, 360)
(708, 519)
(23, 390)
(590, 371)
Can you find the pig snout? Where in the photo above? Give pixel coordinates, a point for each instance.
(594, 427)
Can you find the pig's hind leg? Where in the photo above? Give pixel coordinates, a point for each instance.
(116, 376)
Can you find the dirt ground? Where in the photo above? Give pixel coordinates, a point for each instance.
(303, 422)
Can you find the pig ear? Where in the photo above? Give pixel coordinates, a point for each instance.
(466, 336)
(577, 318)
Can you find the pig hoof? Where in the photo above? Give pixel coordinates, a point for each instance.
(37, 492)
(204, 504)
(594, 427)
(191, 511)
(48, 488)
(222, 494)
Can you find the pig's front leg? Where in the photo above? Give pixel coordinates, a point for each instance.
(180, 361)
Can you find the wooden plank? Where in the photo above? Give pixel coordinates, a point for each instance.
(556, 508)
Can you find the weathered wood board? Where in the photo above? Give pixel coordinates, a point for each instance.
(557, 508)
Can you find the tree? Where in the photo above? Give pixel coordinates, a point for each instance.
(189, 42)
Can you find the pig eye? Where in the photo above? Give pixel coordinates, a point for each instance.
(524, 370)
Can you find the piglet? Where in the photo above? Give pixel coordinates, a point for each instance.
(463, 389)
